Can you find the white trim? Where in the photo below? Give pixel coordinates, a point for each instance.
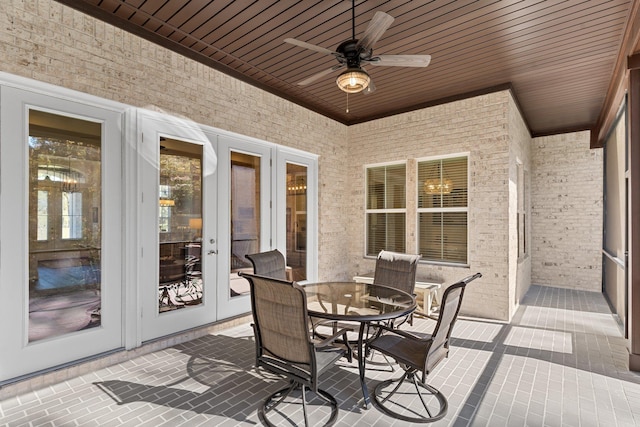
(132, 309)
(71, 95)
(466, 154)
(375, 165)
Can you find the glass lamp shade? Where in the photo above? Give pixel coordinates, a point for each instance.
(353, 80)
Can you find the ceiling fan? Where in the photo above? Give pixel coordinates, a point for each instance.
(354, 53)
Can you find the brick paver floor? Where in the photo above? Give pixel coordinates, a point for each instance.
(561, 362)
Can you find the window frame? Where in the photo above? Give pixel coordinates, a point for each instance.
(368, 211)
(420, 210)
(521, 211)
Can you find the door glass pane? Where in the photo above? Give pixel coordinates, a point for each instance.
(65, 202)
(297, 220)
(245, 217)
(180, 225)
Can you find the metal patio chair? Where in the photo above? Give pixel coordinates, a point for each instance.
(397, 270)
(418, 353)
(284, 345)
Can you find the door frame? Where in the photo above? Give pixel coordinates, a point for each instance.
(18, 96)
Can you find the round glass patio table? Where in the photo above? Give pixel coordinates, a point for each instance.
(358, 302)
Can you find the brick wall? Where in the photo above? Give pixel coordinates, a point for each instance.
(478, 126)
(566, 212)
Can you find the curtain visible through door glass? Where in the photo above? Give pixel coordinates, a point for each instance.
(245, 217)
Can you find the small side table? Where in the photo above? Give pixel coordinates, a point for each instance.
(427, 289)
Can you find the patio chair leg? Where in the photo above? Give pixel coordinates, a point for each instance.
(400, 381)
(432, 415)
(415, 383)
(280, 395)
(304, 407)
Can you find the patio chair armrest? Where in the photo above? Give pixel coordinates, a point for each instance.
(329, 340)
(406, 334)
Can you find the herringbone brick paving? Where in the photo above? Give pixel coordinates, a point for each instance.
(561, 362)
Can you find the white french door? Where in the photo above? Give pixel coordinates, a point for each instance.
(177, 222)
(296, 211)
(245, 221)
(60, 230)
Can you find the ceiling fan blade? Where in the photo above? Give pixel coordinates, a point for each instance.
(316, 76)
(310, 46)
(370, 89)
(378, 25)
(400, 60)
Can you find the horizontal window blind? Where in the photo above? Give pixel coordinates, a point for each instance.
(386, 187)
(386, 209)
(442, 209)
(385, 231)
(444, 183)
(443, 236)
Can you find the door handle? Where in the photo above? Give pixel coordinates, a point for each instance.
(212, 252)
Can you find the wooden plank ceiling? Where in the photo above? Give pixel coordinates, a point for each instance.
(558, 56)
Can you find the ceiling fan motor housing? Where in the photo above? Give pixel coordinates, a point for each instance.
(349, 53)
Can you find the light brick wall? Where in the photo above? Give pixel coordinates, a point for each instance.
(478, 126)
(566, 212)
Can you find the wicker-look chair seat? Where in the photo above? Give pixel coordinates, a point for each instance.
(418, 354)
(284, 345)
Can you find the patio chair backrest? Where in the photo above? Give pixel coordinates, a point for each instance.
(396, 270)
(280, 320)
(269, 264)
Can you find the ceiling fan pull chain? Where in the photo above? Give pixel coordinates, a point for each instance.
(347, 102)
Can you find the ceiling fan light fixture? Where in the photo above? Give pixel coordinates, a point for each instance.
(353, 80)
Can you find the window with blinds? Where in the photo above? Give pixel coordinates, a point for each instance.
(443, 209)
(386, 208)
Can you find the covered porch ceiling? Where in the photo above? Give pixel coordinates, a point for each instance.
(561, 59)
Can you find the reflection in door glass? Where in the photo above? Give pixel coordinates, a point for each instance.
(180, 225)
(245, 217)
(64, 224)
(297, 220)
